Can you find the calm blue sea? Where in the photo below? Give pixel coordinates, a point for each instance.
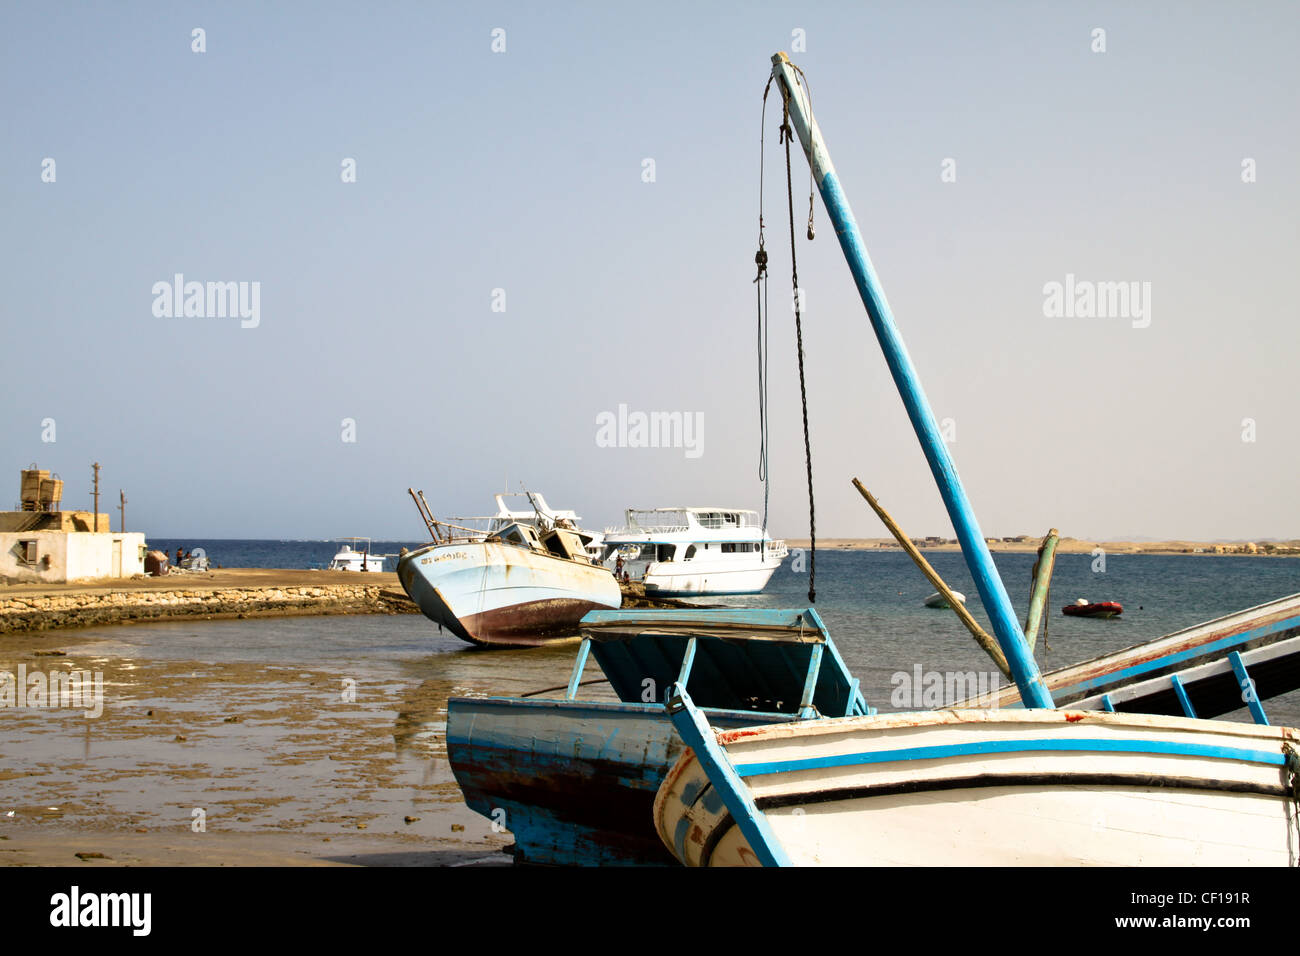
(240, 553)
(872, 603)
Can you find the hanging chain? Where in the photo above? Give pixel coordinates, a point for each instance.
(760, 290)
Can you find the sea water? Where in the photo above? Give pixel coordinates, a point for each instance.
(870, 600)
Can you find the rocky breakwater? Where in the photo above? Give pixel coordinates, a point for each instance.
(66, 607)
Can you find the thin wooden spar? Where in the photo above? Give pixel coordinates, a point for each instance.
(981, 636)
(987, 581)
(1042, 585)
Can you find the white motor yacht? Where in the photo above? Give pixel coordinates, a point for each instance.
(681, 551)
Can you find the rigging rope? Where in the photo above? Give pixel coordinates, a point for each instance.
(786, 135)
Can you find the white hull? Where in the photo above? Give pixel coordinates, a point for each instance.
(495, 593)
(670, 577)
(938, 600)
(1072, 788)
(690, 551)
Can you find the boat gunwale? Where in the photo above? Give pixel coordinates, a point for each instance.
(954, 716)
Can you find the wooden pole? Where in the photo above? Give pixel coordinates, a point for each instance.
(1042, 584)
(95, 466)
(423, 517)
(432, 521)
(981, 636)
(122, 508)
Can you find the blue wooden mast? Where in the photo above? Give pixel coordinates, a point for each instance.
(992, 592)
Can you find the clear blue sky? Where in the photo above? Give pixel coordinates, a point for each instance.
(522, 171)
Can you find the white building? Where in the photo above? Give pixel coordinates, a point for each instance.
(44, 543)
(56, 557)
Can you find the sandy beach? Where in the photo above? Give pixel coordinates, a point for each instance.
(303, 737)
(230, 762)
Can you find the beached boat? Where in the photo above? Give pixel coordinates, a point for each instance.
(1029, 786)
(685, 551)
(1102, 609)
(989, 788)
(937, 600)
(516, 587)
(574, 780)
(1207, 670)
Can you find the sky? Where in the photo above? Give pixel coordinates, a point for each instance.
(475, 232)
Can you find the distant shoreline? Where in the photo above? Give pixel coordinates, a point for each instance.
(1069, 546)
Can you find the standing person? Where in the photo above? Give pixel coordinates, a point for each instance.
(180, 556)
(618, 568)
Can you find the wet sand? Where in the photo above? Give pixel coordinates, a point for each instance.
(287, 762)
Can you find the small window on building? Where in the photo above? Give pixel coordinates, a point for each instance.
(25, 552)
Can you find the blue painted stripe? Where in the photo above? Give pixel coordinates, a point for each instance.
(1183, 700)
(1248, 693)
(1128, 673)
(1107, 704)
(679, 835)
(579, 666)
(1092, 745)
(694, 729)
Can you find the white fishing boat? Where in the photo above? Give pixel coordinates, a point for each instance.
(684, 551)
(517, 587)
(939, 601)
(356, 557)
(990, 788)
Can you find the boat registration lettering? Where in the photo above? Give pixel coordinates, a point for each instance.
(451, 556)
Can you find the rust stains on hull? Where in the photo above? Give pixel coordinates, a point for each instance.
(527, 625)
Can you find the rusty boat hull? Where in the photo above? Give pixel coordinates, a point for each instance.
(573, 781)
(496, 594)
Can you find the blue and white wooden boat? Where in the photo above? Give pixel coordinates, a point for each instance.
(1210, 669)
(518, 587)
(986, 788)
(1034, 785)
(574, 780)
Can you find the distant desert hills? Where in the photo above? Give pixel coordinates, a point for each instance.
(1030, 544)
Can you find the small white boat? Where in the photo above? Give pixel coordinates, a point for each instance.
(685, 551)
(358, 558)
(938, 600)
(991, 788)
